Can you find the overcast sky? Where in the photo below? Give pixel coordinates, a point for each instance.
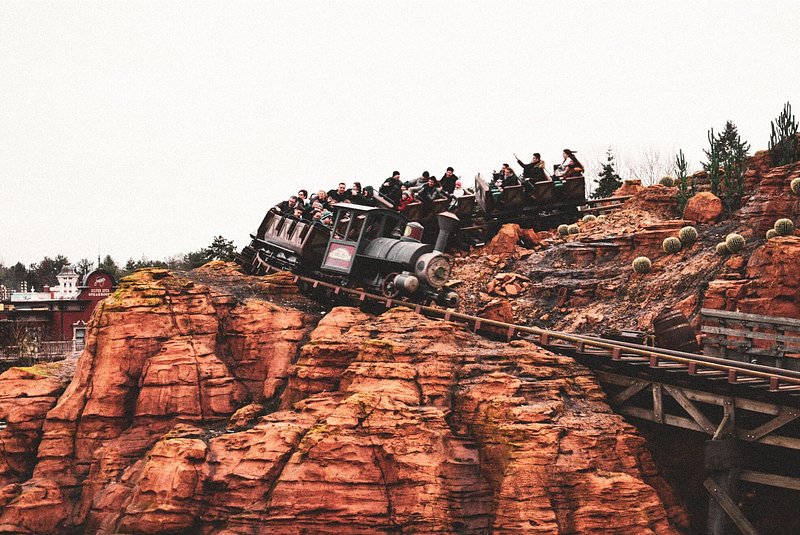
(147, 128)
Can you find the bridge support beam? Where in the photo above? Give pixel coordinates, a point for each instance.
(723, 460)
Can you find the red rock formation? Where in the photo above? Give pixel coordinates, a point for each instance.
(26, 394)
(705, 207)
(387, 423)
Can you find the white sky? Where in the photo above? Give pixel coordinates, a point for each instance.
(146, 128)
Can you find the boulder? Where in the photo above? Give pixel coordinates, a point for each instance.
(705, 207)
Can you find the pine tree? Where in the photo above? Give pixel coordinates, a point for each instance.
(609, 180)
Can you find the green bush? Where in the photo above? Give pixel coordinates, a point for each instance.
(688, 235)
(642, 265)
(784, 227)
(671, 245)
(734, 242)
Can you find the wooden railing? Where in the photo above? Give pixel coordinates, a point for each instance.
(41, 350)
(769, 340)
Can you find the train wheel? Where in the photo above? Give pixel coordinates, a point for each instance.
(387, 287)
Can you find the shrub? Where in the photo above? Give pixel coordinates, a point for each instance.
(783, 139)
(722, 249)
(734, 242)
(667, 181)
(795, 185)
(563, 230)
(671, 245)
(588, 218)
(687, 235)
(771, 233)
(573, 229)
(642, 265)
(784, 227)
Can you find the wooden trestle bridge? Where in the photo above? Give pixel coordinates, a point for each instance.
(731, 402)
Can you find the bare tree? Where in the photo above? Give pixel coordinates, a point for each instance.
(648, 164)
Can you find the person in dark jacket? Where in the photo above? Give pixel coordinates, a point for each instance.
(533, 171)
(430, 191)
(448, 181)
(340, 194)
(391, 188)
(287, 207)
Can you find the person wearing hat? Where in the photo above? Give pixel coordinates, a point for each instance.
(327, 219)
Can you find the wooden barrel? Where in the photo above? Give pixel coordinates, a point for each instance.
(674, 332)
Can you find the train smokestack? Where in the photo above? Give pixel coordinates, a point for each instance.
(448, 222)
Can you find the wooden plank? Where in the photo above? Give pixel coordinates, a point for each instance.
(658, 406)
(629, 392)
(669, 419)
(773, 320)
(690, 407)
(789, 415)
(734, 513)
(772, 480)
(751, 334)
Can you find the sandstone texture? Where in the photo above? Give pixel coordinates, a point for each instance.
(194, 411)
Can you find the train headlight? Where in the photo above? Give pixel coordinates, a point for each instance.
(434, 268)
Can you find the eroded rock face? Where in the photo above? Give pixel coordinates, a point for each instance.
(26, 394)
(385, 423)
(160, 351)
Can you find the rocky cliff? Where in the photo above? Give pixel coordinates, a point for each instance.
(202, 405)
(584, 282)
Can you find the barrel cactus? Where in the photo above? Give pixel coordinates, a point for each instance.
(588, 218)
(784, 227)
(795, 185)
(771, 233)
(722, 249)
(671, 245)
(563, 230)
(688, 235)
(573, 229)
(734, 242)
(642, 265)
(667, 181)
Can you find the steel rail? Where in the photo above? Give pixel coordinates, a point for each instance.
(779, 380)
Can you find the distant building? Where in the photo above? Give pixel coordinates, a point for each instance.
(60, 312)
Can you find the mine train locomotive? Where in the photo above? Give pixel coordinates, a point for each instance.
(373, 248)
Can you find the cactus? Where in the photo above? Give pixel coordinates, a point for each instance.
(722, 249)
(573, 229)
(671, 245)
(563, 230)
(784, 227)
(642, 265)
(667, 181)
(795, 185)
(734, 242)
(687, 235)
(588, 218)
(771, 233)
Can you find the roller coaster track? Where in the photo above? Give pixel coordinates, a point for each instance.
(599, 352)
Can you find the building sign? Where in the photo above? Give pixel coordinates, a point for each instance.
(98, 285)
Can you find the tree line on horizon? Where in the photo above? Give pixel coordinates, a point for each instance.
(37, 275)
